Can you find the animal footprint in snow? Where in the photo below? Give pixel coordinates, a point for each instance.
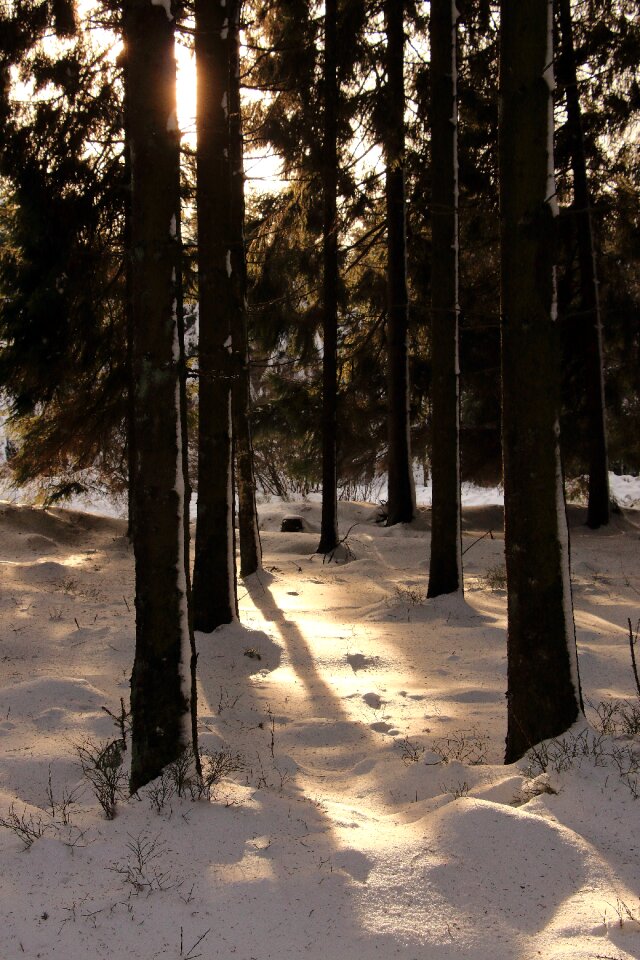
(373, 700)
(382, 727)
(358, 661)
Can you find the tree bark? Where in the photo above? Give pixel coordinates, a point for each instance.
(598, 504)
(401, 505)
(214, 575)
(184, 430)
(329, 517)
(160, 682)
(445, 567)
(250, 548)
(543, 684)
(129, 322)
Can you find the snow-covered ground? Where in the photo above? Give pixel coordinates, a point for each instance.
(370, 814)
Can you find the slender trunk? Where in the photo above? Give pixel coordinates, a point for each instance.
(214, 580)
(128, 311)
(445, 568)
(250, 548)
(598, 507)
(543, 685)
(401, 505)
(184, 431)
(329, 520)
(160, 683)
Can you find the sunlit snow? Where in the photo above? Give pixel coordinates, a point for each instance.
(344, 835)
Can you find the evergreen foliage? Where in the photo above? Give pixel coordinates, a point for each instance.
(63, 195)
(61, 267)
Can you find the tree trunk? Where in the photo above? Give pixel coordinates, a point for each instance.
(214, 575)
(543, 685)
(129, 322)
(445, 568)
(401, 503)
(184, 430)
(250, 548)
(329, 519)
(598, 506)
(160, 682)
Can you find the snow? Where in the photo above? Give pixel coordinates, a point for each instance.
(172, 122)
(167, 7)
(344, 835)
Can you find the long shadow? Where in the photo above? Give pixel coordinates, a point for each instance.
(300, 653)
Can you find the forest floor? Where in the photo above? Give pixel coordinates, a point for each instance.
(363, 809)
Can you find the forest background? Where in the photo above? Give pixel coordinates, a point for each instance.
(113, 234)
(63, 361)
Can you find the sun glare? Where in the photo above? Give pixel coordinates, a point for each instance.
(186, 91)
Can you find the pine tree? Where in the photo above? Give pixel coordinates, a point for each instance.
(161, 679)
(543, 687)
(445, 569)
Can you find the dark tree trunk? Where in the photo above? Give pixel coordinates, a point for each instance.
(128, 309)
(543, 686)
(445, 568)
(184, 429)
(160, 682)
(250, 548)
(329, 520)
(401, 506)
(598, 506)
(214, 580)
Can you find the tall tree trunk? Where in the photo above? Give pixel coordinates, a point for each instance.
(184, 430)
(401, 502)
(329, 519)
(214, 575)
(160, 682)
(598, 506)
(250, 548)
(445, 567)
(543, 685)
(129, 322)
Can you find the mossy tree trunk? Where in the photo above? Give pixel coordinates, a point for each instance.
(445, 565)
(161, 680)
(543, 686)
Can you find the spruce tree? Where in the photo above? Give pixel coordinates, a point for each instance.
(214, 575)
(543, 697)
(445, 566)
(161, 694)
(62, 361)
(598, 499)
(329, 517)
(401, 506)
(250, 548)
